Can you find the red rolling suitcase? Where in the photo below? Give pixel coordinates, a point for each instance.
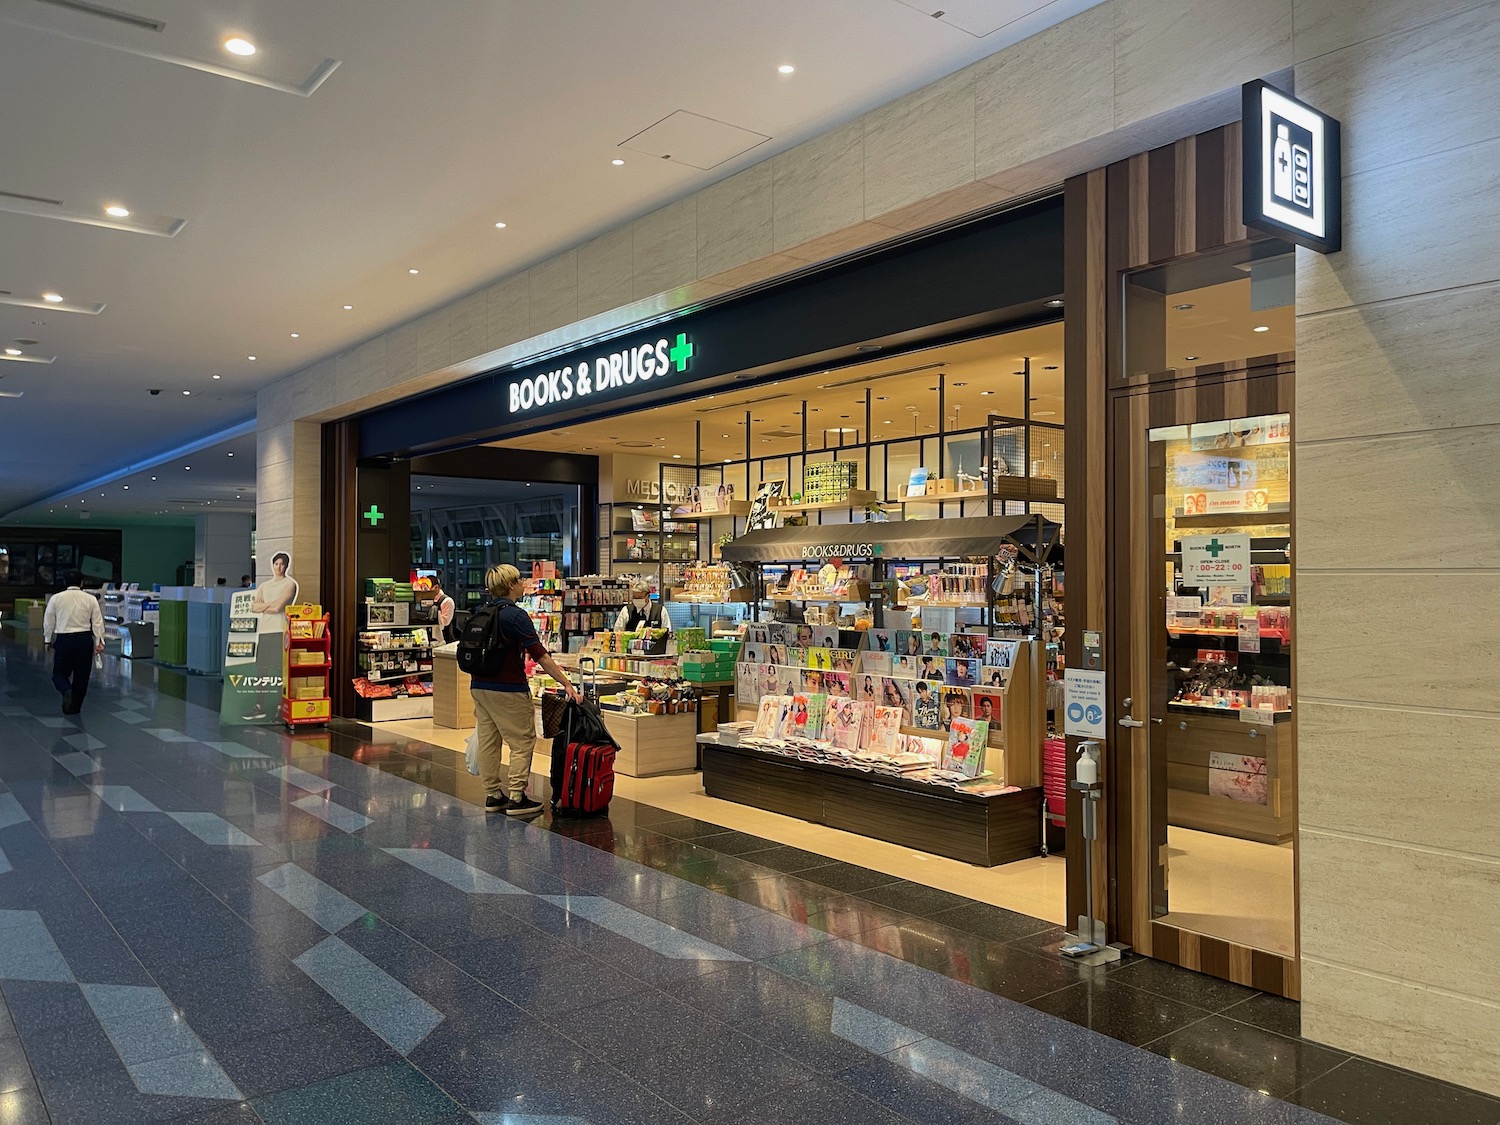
(583, 757)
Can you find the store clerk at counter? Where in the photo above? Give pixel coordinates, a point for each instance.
(639, 611)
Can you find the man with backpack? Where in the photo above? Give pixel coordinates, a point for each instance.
(493, 649)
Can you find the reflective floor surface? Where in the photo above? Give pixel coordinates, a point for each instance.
(206, 924)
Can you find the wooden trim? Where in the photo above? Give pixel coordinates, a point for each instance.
(1149, 209)
(340, 579)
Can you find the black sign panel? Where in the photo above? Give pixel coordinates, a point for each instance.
(1292, 185)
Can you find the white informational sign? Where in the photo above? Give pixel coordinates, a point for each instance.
(1249, 634)
(1216, 560)
(1083, 707)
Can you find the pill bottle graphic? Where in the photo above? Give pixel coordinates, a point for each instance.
(1281, 164)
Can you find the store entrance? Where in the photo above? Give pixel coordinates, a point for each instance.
(1204, 705)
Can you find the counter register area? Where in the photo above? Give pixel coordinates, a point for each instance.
(959, 777)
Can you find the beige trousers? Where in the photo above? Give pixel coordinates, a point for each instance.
(507, 716)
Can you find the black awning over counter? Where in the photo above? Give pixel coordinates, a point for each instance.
(976, 536)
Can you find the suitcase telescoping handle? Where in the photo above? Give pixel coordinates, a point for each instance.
(588, 677)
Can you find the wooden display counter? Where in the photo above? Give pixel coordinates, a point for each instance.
(1212, 754)
(983, 830)
(653, 744)
(452, 705)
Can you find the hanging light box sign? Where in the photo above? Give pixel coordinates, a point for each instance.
(1292, 180)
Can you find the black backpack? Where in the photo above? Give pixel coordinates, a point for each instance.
(481, 647)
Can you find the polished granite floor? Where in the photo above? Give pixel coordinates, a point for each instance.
(205, 924)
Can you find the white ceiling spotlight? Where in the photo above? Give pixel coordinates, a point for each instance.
(251, 358)
(296, 335)
(617, 162)
(52, 298)
(238, 45)
(218, 376)
(348, 307)
(786, 68)
(115, 211)
(413, 272)
(499, 226)
(12, 351)
(187, 392)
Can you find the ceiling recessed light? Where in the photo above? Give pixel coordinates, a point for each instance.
(229, 454)
(1044, 414)
(239, 46)
(677, 456)
(414, 272)
(888, 422)
(52, 298)
(1189, 358)
(187, 468)
(617, 162)
(187, 392)
(1056, 303)
(1182, 308)
(126, 487)
(499, 226)
(153, 478)
(785, 68)
(1262, 328)
(116, 211)
(296, 335)
(251, 358)
(218, 376)
(986, 392)
(12, 351)
(348, 307)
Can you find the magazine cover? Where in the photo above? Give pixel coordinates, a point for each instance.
(965, 750)
(817, 714)
(935, 644)
(836, 684)
(1000, 654)
(885, 731)
(768, 716)
(775, 653)
(867, 686)
(802, 636)
(929, 748)
(988, 707)
(777, 633)
(746, 686)
(843, 723)
(794, 716)
(968, 644)
(758, 634)
(813, 680)
(962, 671)
(894, 693)
(880, 663)
(820, 658)
(767, 680)
(825, 636)
(788, 678)
(752, 652)
(908, 642)
(909, 667)
(956, 705)
(882, 640)
(994, 678)
(932, 667)
(927, 705)
(796, 655)
(843, 659)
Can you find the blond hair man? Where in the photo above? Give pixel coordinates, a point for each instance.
(503, 709)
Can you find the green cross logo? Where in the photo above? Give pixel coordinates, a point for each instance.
(1214, 548)
(374, 515)
(681, 352)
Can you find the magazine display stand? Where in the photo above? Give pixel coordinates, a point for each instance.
(306, 664)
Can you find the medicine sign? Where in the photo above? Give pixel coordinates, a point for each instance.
(1292, 185)
(1216, 560)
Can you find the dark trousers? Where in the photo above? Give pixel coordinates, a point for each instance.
(72, 662)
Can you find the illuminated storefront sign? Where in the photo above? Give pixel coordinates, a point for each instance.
(572, 381)
(1292, 186)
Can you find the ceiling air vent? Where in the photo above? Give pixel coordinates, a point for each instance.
(145, 23)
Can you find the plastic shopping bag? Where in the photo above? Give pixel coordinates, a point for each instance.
(471, 752)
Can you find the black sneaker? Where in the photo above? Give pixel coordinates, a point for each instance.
(496, 804)
(523, 806)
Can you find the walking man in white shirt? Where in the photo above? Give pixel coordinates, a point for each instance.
(73, 628)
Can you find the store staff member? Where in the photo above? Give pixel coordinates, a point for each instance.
(444, 609)
(640, 610)
(73, 628)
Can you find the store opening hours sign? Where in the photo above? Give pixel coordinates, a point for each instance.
(1216, 560)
